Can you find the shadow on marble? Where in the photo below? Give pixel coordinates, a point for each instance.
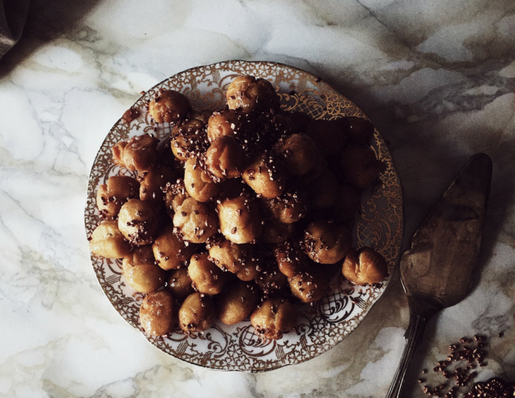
(46, 20)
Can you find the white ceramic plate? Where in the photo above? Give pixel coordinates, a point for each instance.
(320, 327)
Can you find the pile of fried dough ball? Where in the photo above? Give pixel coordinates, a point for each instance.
(240, 213)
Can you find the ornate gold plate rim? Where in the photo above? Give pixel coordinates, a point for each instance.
(321, 327)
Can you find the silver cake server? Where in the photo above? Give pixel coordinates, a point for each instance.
(436, 271)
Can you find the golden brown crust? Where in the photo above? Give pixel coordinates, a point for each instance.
(179, 283)
(195, 221)
(175, 195)
(224, 158)
(237, 302)
(291, 260)
(205, 276)
(112, 195)
(169, 106)
(107, 241)
(273, 318)
(264, 177)
(327, 242)
(246, 93)
(138, 222)
(141, 272)
(224, 123)
(153, 182)
(288, 208)
(365, 266)
(198, 183)
(157, 313)
(229, 256)
(240, 219)
(170, 252)
(197, 313)
(308, 286)
(137, 153)
(299, 153)
(189, 139)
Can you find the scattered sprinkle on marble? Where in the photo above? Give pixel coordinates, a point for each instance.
(459, 368)
(453, 375)
(493, 388)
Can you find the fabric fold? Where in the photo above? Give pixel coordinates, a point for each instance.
(13, 14)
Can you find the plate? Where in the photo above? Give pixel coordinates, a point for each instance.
(321, 326)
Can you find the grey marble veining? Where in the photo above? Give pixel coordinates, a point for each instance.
(436, 77)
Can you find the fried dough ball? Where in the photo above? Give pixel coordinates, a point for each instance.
(195, 221)
(197, 313)
(299, 153)
(360, 166)
(169, 106)
(308, 286)
(138, 222)
(288, 208)
(326, 242)
(171, 252)
(240, 219)
(270, 280)
(141, 272)
(198, 183)
(324, 190)
(189, 139)
(273, 318)
(365, 266)
(179, 283)
(291, 260)
(236, 302)
(237, 259)
(153, 182)
(136, 154)
(250, 270)
(229, 256)
(107, 241)
(247, 93)
(225, 158)
(156, 313)
(358, 130)
(112, 195)
(223, 123)
(107, 209)
(328, 136)
(175, 195)
(206, 277)
(263, 176)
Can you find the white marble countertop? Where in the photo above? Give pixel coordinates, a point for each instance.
(438, 80)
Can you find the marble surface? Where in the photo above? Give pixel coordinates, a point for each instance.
(437, 78)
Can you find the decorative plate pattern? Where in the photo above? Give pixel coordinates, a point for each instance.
(320, 327)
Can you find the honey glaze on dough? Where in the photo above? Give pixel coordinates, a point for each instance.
(249, 193)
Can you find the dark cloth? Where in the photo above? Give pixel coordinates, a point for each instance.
(13, 14)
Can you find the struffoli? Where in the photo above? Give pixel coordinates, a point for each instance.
(239, 213)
